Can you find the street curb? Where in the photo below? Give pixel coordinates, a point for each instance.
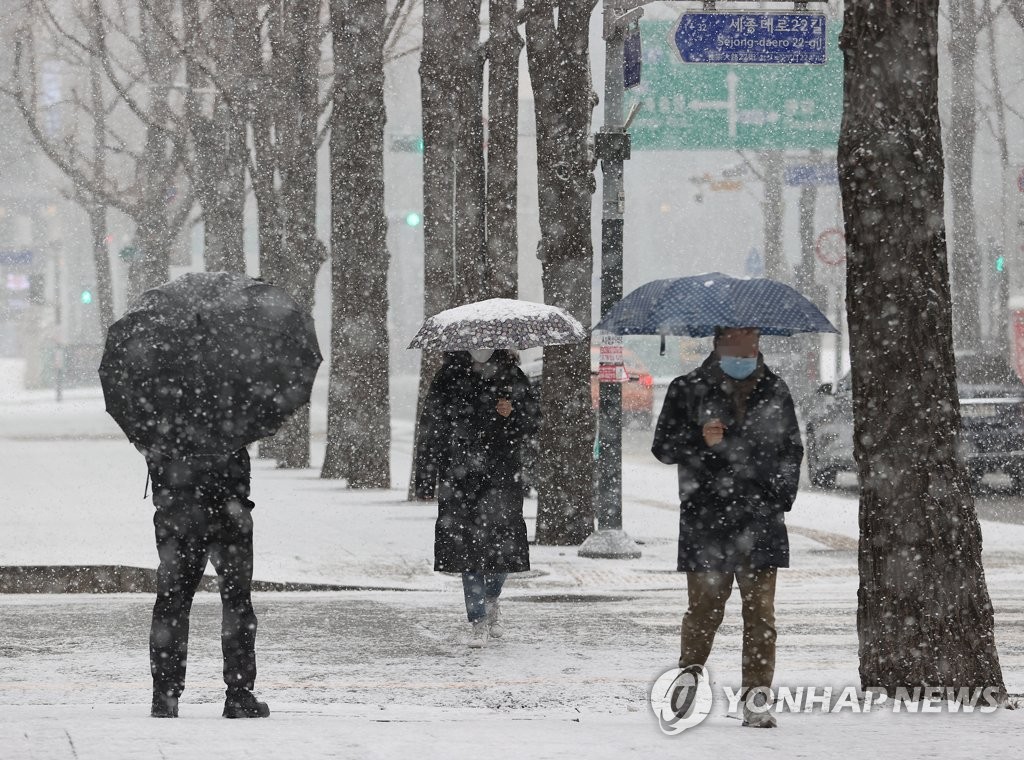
(123, 579)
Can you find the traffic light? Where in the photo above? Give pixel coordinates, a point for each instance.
(86, 297)
(407, 143)
(1000, 264)
(413, 219)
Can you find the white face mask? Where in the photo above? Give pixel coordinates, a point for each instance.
(481, 355)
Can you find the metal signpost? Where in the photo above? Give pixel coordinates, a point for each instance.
(612, 148)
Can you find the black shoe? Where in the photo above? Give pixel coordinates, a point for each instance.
(684, 691)
(164, 706)
(241, 703)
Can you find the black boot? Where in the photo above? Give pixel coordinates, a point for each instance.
(164, 705)
(241, 703)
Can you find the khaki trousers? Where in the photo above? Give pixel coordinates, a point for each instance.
(707, 594)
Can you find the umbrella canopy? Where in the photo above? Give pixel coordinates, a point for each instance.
(207, 364)
(498, 323)
(696, 305)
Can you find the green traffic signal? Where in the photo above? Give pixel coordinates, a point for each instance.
(1000, 263)
(86, 296)
(413, 219)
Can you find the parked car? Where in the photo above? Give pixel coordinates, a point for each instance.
(637, 391)
(992, 423)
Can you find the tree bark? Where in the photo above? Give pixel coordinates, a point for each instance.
(287, 145)
(217, 65)
(560, 73)
(451, 75)
(805, 386)
(773, 209)
(960, 140)
(437, 99)
(924, 613)
(97, 210)
(358, 411)
(474, 277)
(504, 48)
(157, 174)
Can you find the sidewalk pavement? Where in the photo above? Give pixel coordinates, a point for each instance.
(376, 673)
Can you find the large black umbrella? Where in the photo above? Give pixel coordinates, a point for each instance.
(208, 363)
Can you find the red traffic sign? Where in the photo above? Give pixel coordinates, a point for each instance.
(830, 247)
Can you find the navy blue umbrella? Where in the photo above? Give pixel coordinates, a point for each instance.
(696, 305)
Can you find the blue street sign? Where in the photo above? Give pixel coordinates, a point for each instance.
(798, 175)
(632, 57)
(15, 257)
(751, 37)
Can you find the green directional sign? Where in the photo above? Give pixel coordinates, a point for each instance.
(702, 106)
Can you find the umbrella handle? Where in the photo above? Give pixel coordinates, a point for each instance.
(145, 491)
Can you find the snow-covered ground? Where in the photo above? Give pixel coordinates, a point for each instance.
(382, 671)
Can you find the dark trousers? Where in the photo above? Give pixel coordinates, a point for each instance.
(478, 590)
(187, 535)
(708, 593)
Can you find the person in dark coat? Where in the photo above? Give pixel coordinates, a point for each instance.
(203, 514)
(730, 428)
(477, 415)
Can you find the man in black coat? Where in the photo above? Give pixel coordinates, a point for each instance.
(731, 429)
(203, 513)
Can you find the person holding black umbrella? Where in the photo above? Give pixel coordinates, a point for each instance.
(203, 513)
(476, 417)
(730, 428)
(194, 372)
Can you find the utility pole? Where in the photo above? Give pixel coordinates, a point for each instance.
(611, 147)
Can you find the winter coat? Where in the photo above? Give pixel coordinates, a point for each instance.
(472, 456)
(200, 480)
(732, 496)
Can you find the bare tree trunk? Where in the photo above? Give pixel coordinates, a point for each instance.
(287, 139)
(358, 411)
(960, 140)
(773, 209)
(96, 208)
(217, 45)
(473, 283)
(157, 173)
(560, 74)
(924, 613)
(504, 48)
(997, 89)
(804, 387)
(438, 105)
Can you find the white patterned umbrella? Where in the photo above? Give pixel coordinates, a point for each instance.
(498, 323)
